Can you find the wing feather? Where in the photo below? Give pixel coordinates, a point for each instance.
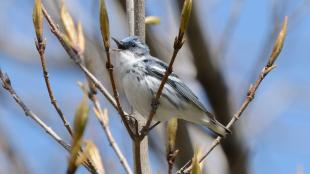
(157, 68)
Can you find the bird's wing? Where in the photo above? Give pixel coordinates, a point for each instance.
(157, 68)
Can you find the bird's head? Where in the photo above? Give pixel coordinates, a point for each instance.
(133, 44)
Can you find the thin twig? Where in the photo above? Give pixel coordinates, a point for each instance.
(6, 84)
(75, 55)
(250, 94)
(171, 157)
(40, 45)
(105, 33)
(103, 120)
(178, 43)
(249, 98)
(120, 110)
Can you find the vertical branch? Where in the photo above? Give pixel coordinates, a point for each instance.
(137, 156)
(139, 18)
(130, 16)
(178, 43)
(140, 149)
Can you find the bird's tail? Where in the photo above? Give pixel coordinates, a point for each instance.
(217, 127)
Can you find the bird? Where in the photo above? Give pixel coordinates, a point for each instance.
(139, 76)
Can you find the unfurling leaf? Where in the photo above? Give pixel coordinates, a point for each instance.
(171, 133)
(80, 37)
(185, 15)
(37, 18)
(278, 45)
(91, 153)
(68, 23)
(80, 120)
(152, 20)
(104, 24)
(196, 169)
(74, 153)
(81, 117)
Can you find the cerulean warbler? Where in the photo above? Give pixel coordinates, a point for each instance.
(139, 75)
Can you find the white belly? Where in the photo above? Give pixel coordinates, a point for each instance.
(140, 96)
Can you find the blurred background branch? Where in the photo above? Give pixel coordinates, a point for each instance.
(17, 163)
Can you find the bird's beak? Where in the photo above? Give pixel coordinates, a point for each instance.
(118, 43)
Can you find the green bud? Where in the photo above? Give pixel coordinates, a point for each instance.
(92, 154)
(80, 37)
(196, 169)
(37, 18)
(185, 14)
(81, 117)
(152, 20)
(68, 23)
(171, 133)
(104, 24)
(278, 45)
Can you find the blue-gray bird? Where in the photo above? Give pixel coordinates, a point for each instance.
(139, 75)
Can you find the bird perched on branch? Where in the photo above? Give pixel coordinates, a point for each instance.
(139, 75)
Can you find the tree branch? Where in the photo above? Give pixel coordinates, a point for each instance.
(102, 116)
(251, 92)
(140, 145)
(212, 80)
(40, 45)
(75, 55)
(6, 84)
(130, 16)
(139, 18)
(178, 43)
